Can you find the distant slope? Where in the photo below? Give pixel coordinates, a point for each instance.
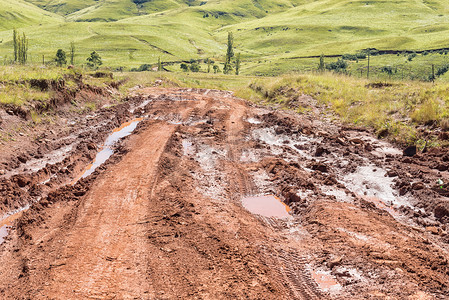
(17, 13)
(133, 32)
(63, 7)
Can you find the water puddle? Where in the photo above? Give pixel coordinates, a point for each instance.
(371, 182)
(142, 105)
(3, 233)
(381, 205)
(34, 165)
(325, 281)
(254, 121)
(107, 150)
(300, 144)
(188, 147)
(7, 220)
(267, 206)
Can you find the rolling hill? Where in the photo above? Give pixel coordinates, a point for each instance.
(133, 32)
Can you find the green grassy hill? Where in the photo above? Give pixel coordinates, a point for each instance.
(19, 13)
(272, 36)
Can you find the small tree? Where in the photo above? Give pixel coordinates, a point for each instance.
(216, 69)
(20, 47)
(61, 58)
(229, 54)
(159, 64)
(94, 60)
(23, 49)
(195, 67)
(16, 38)
(72, 53)
(321, 66)
(208, 65)
(184, 67)
(237, 64)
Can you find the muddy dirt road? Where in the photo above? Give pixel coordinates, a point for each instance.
(214, 198)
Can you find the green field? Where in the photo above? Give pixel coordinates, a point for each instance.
(274, 37)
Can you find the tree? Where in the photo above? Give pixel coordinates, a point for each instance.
(321, 66)
(184, 67)
(159, 64)
(208, 65)
(61, 58)
(72, 53)
(195, 67)
(229, 54)
(20, 47)
(237, 64)
(23, 49)
(16, 44)
(94, 60)
(216, 69)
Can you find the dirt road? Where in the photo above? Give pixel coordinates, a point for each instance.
(165, 216)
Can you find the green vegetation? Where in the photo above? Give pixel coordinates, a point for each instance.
(61, 58)
(20, 47)
(94, 60)
(273, 37)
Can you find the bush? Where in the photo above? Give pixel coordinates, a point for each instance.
(387, 69)
(195, 67)
(442, 70)
(184, 67)
(411, 56)
(349, 57)
(339, 66)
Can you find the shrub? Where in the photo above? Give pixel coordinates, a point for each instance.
(411, 56)
(442, 70)
(184, 67)
(338, 66)
(195, 67)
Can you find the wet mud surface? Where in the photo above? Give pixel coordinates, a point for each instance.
(210, 197)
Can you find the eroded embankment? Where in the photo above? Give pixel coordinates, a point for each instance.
(184, 208)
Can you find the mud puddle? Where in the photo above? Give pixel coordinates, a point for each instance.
(107, 150)
(325, 281)
(7, 220)
(267, 206)
(374, 186)
(3, 233)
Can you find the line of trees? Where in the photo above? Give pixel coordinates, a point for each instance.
(20, 47)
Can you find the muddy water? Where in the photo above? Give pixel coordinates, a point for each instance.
(267, 206)
(7, 220)
(3, 233)
(376, 187)
(124, 130)
(325, 282)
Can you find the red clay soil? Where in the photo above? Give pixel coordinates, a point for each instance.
(163, 218)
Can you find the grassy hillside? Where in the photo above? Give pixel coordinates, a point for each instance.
(273, 36)
(19, 13)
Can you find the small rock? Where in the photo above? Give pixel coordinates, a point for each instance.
(433, 229)
(392, 173)
(357, 141)
(441, 210)
(369, 147)
(409, 151)
(320, 151)
(2, 172)
(335, 262)
(418, 186)
(340, 141)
